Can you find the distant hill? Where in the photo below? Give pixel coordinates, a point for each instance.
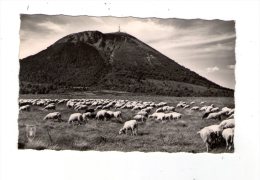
(113, 61)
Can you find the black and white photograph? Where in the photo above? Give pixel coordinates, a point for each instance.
(126, 84)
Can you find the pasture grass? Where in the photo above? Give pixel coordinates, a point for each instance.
(168, 136)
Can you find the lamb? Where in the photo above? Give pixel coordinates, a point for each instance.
(228, 123)
(75, 117)
(228, 135)
(54, 115)
(210, 135)
(139, 117)
(25, 108)
(132, 125)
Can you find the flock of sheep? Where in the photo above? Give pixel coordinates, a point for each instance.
(106, 109)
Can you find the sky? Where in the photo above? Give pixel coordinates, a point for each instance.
(207, 47)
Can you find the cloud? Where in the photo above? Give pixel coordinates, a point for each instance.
(212, 69)
(231, 66)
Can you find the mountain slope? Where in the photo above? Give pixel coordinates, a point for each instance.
(116, 61)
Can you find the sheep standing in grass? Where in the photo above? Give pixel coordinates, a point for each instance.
(139, 117)
(228, 135)
(210, 135)
(75, 117)
(132, 125)
(228, 123)
(54, 115)
(144, 113)
(194, 108)
(86, 116)
(117, 115)
(102, 114)
(50, 107)
(25, 108)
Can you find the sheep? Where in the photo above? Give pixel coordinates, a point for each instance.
(215, 115)
(194, 108)
(132, 125)
(228, 123)
(139, 117)
(25, 108)
(228, 135)
(81, 107)
(86, 115)
(175, 115)
(54, 115)
(210, 135)
(50, 107)
(101, 114)
(117, 114)
(144, 113)
(75, 117)
(159, 110)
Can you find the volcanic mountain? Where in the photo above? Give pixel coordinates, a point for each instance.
(113, 61)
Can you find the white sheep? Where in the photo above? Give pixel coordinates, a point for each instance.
(228, 135)
(228, 123)
(144, 113)
(175, 115)
(54, 115)
(102, 114)
(50, 107)
(117, 114)
(25, 108)
(194, 108)
(210, 134)
(86, 116)
(75, 117)
(215, 115)
(139, 117)
(132, 125)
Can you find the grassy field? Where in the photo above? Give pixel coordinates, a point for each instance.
(171, 136)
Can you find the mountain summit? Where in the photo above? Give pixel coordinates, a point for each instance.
(113, 61)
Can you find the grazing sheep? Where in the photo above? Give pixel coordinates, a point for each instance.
(102, 114)
(86, 116)
(132, 125)
(50, 107)
(228, 135)
(210, 135)
(139, 117)
(25, 108)
(194, 108)
(175, 115)
(144, 113)
(75, 117)
(228, 123)
(215, 115)
(54, 115)
(117, 114)
(81, 107)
